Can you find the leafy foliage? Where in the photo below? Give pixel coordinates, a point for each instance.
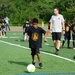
(19, 10)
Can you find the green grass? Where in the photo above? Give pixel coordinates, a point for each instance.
(14, 60)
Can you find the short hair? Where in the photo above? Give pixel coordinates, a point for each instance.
(56, 8)
(35, 20)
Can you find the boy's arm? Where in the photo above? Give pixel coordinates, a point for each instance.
(45, 34)
(45, 37)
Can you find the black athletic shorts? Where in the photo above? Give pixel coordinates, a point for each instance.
(73, 37)
(56, 35)
(35, 51)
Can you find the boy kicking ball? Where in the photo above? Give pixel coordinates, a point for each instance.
(35, 41)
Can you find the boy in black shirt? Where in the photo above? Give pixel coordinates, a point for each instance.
(73, 33)
(35, 40)
(67, 35)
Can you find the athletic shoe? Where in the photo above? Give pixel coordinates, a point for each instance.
(57, 52)
(40, 65)
(69, 47)
(33, 63)
(73, 48)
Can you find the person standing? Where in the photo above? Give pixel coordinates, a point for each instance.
(3, 25)
(25, 28)
(56, 28)
(73, 33)
(67, 35)
(7, 23)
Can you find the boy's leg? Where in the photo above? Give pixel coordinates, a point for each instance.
(5, 31)
(64, 41)
(33, 55)
(8, 27)
(68, 43)
(39, 57)
(73, 36)
(24, 36)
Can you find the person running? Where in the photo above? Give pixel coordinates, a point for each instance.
(67, 35)
(25, 27)
(7, 23)
(73, 33)
(35, 40)
(3, 25)
(56, 28)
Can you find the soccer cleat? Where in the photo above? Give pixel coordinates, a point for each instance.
(33, 63)
(40, 65)
(57, 52)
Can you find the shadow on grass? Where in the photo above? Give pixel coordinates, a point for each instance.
(19, 63)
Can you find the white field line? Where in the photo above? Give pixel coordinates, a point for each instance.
(11, 37)
(41, 51)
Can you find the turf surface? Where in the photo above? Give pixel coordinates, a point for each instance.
(14, 59)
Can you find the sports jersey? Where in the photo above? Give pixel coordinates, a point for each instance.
(35, 37)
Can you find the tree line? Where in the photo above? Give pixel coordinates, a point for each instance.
(19, 10)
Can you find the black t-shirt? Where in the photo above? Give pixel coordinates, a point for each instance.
(73, 28)
(35, 37)
(67, 30)
(26, 26)
(3, 24)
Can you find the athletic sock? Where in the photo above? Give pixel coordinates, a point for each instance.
(57, 49)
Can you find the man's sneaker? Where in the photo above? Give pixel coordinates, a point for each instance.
(40, 65)
(33, 63)
(57, 52)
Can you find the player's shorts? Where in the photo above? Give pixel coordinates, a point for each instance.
(73, 37)
(56, 35)
(35, 51)
(3, 29)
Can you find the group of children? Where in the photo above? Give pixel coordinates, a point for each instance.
(33, 33)
(67, 36)
(4, 24)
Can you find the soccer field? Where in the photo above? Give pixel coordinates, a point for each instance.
(15, 56)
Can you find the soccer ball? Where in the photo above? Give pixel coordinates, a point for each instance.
(31, 68)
